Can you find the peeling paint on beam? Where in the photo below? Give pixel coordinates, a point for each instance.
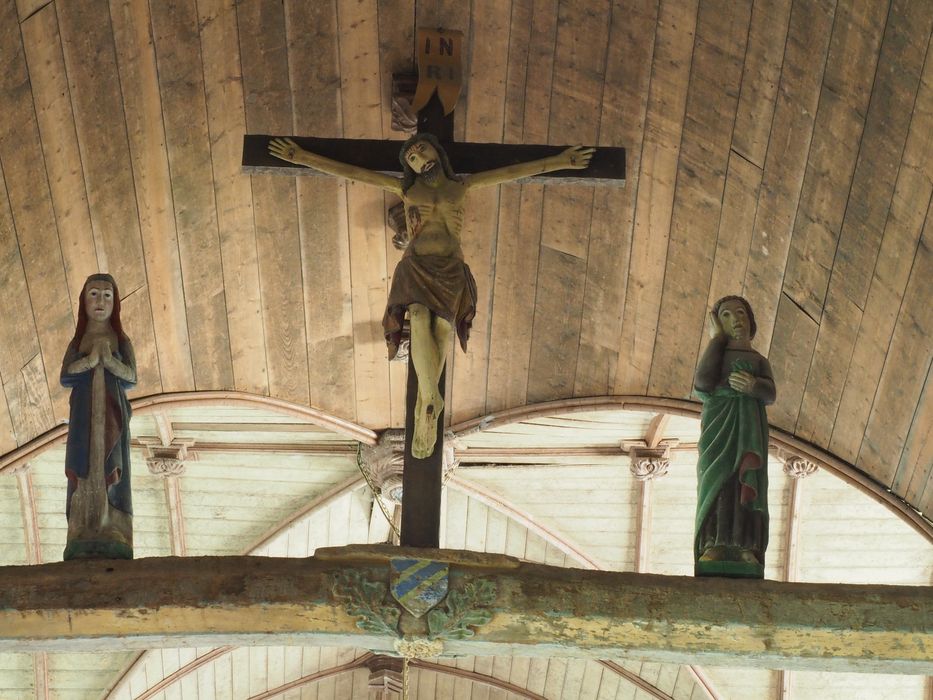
(539, 611)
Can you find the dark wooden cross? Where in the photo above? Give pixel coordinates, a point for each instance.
(422, 478)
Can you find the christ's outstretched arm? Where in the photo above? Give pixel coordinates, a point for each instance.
(286, 149)
(573, 158)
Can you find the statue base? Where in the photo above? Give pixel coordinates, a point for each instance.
(729, 569)
(97, 549)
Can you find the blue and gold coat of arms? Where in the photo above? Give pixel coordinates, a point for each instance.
(418, 584)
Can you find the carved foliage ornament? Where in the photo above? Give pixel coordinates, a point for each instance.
(649, 463)
(455, 617)
(798, 467)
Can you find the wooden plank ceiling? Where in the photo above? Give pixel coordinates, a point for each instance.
(782, 149)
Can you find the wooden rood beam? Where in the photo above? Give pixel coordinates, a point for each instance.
(536, 610)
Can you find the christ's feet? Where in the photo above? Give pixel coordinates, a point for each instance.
(426, 414)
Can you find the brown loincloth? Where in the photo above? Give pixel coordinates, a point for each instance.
(443, 284)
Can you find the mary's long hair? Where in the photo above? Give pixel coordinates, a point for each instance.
(115, 322)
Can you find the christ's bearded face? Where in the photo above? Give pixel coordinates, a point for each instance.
(422, 157)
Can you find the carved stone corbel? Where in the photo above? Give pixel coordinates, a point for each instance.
(798, 467)
(168, 460)
(649, 462)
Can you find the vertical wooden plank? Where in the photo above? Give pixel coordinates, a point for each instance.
(450, 14)
(223, 676)
(760, 76)
(100, 124)
(909, 357)
(485, 105)
(90, 61)
(396, 43)
(740, 197)
(532, 35)
(667, 94)
(573, 680)
(7, 435)
(184, 110)
(896, 255)
(263, 55)
(60, 147)
(226, 124)
(26, 8)
(711, 103)
(20, 340)
(31, 206)
(621, 123)
(537, 674)
(791, 351)
(576, 92)
(360, 101)
(28, 400)
(554, 679)
(912, 478)
(743, 180)
(513, 294)
(902, 54)
(608, 685)
(808, 34)
(556, 333)
(322, 209)
(143, 109)
(136, 315)
(396, 47)
(840, 121)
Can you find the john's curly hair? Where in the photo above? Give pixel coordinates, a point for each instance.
(408, 174)
(748, 310)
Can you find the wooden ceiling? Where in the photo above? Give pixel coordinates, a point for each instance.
(780, 149)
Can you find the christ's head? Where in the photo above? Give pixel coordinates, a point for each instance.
(422, 156)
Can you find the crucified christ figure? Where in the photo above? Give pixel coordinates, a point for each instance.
(431, 282)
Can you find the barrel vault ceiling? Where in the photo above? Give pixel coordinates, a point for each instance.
(781, 149)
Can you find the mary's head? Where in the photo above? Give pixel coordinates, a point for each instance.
(99, 303)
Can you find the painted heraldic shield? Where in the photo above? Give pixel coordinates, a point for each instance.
(418, 584)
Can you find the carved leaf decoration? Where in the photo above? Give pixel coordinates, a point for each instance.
(365, 600)
(463, 610)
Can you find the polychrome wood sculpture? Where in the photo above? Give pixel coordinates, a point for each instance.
(735, 384)
(99, 366)
(431, 283)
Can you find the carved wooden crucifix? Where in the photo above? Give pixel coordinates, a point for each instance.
(431, 282)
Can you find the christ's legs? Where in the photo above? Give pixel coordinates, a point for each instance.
(430, 336)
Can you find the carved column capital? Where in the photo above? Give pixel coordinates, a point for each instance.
(168, 460)
(797, 467)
